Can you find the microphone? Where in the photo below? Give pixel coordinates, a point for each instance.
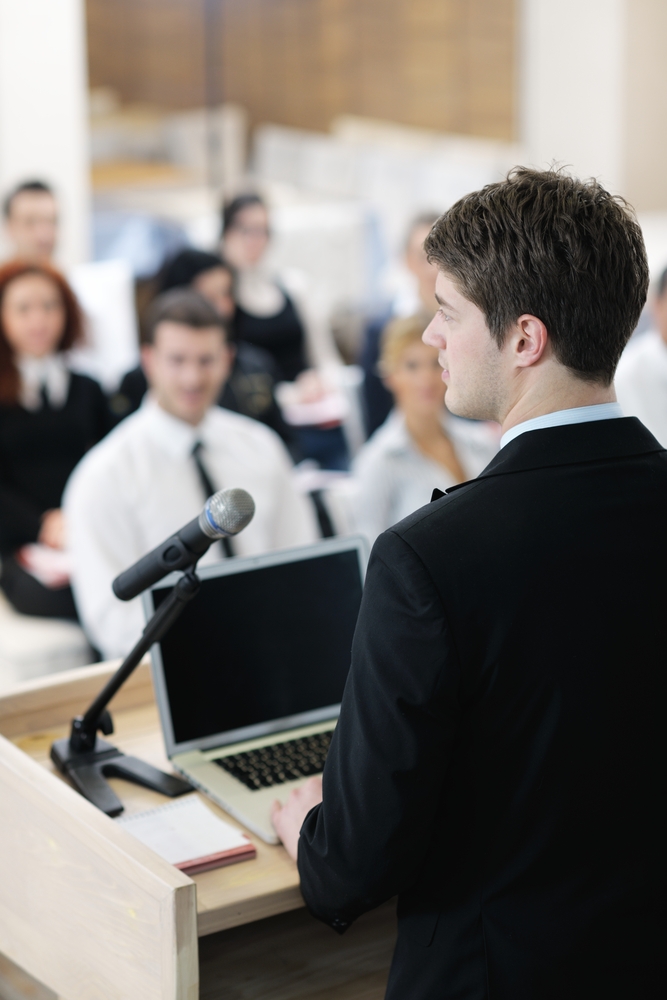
(225, 513)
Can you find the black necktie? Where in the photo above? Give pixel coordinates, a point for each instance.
(209, 490)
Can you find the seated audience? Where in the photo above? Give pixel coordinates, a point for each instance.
(641, 376)
(154, 471)
(420, 446)
(249, 388)
(420, 298)
(265, 314)
(49, 418)
(31, 221)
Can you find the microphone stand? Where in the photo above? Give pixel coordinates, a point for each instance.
(88, 760)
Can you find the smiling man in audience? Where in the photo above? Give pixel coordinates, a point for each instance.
(153, 473)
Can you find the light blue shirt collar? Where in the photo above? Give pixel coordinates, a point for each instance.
(559, 418)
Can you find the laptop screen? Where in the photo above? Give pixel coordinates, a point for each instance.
(264, 640)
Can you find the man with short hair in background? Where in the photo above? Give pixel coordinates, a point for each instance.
(154, 472)
(31, 221)
(641, 378)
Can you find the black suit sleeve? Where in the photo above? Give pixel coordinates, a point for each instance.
(385, 769)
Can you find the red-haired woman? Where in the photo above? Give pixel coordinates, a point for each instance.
(49, 418)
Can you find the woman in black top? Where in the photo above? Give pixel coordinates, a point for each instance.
(265, 314)
(49, 418)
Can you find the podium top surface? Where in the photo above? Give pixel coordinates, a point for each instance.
(33, 715)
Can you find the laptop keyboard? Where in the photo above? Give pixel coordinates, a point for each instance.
(273, 765)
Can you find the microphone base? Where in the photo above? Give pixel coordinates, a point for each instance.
(89, 770)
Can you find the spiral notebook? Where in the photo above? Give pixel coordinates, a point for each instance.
(189, 835)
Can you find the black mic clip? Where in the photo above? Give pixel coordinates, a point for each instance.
(83, 736)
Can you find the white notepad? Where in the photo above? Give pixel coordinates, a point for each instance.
(188, 835)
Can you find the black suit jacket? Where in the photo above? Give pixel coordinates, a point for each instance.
(499, 762)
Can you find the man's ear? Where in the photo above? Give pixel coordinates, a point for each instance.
(528, 341)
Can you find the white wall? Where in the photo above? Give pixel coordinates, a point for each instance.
(573, 85)
(43, 113)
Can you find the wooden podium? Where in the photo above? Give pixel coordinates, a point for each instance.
(90, 912)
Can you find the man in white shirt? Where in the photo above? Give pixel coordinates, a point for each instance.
(152, 474)
(641, 377)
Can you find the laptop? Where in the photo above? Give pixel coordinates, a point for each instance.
(249, 679)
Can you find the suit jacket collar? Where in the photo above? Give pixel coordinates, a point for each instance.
(598, 440)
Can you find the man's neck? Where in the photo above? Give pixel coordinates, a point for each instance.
(562, 395)
(194, 422)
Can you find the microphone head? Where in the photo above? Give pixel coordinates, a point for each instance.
(226, 513)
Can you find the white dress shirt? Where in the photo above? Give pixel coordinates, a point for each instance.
(48, 374)
(393, 478)
(141, 483)
(641, 382)
(560, 418)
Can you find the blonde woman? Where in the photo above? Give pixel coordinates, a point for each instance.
(420, 446)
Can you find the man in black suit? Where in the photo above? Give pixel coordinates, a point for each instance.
(499, 763)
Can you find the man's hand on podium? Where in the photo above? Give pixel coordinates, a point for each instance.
(288, 819)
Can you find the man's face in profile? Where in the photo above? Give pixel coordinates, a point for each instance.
(468, 354)
(32, 225)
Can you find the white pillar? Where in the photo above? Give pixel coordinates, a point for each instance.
(43, 109)
(572, 73)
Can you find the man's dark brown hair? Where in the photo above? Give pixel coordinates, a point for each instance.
(184, 306)
(561, 249)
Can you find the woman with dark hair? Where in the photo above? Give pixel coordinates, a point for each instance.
(265, 314)
(49, 418)
(206, 273)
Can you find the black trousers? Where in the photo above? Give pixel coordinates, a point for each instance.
(29, 597)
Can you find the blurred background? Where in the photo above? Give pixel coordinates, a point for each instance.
(349, 116)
